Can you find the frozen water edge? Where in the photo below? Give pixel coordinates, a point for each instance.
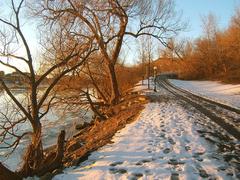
(162, 143)
(55, 121)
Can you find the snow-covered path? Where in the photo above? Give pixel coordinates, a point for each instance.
(164, 143)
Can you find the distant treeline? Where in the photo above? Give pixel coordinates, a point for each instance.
(214, 56)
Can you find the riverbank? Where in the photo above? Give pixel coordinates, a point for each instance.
(99, 133)
(170, 139)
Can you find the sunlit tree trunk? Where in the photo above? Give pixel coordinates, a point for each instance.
(114, 83)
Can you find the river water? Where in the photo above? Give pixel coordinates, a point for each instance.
(56, 120)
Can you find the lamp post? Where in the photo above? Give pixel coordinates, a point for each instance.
(148, 72)
(154, 76)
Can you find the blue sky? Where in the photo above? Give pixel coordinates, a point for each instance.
(193, 10)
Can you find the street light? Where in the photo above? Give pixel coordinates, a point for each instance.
(154, 75)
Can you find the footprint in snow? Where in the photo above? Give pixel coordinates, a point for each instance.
(146, 160)
(167, 150)
(222, 168)
(174, 176)
(150, 144)
(118, 170)
(179, 134)
(187, 148)
(197, 156)
(149, 151)
(162, 135)
(135, 176)
(140, 163)
(175, 162)
(203, 173)
(147, 172)
(171, 141)
(116, 163)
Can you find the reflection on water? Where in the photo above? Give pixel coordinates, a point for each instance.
(56, 120)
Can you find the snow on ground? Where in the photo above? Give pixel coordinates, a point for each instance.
(225, 93)
(143, 86)
(163, 143)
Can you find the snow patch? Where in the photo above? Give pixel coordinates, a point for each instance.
(225, 93)
(163, 143)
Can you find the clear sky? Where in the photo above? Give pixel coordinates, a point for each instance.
(193, 11)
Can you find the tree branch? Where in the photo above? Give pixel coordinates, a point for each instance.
(15, 100)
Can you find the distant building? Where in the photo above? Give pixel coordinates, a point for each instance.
(18, 78)
(15, 78)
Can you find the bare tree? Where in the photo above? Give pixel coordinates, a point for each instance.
(143, 60)
(109, 21)
(174, 49)
(208, 46)
(146, 51)
(210, 26)
(67, 54)
(93, 92)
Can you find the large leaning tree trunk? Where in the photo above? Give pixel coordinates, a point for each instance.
(104, 21)
(67, 54)
(109, 21)
(34, 154)
(115, 95)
